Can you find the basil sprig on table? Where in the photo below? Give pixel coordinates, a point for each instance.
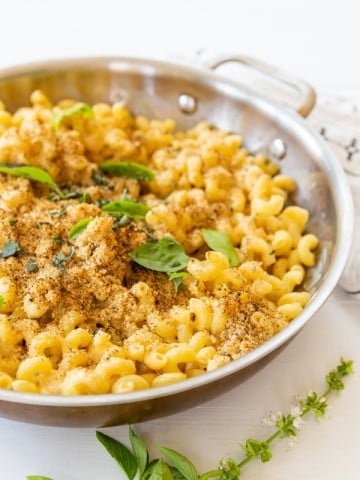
(127, 169)
(79, 108)
(30, 172)
(221, 242)
(131, 209)
(137, 463)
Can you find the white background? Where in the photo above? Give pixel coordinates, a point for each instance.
(316, 40)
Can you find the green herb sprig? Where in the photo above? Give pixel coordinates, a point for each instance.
(180, 467)
(135, 462)
(128, 170)
(36, 174)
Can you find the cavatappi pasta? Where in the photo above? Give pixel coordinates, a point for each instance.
(77, 314)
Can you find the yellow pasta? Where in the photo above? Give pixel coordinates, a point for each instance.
(78, 314)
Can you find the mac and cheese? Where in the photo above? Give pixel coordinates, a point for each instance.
(77, 315)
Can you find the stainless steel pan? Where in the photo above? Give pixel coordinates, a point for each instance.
(190, 95)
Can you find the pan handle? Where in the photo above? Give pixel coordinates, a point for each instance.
(305, 92)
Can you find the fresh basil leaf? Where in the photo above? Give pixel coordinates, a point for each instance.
(140, 451)
(149, 468)
(78, 109)
(221, 242)
(177, 277)
(10, 249)
(1, 301)
(129, 208)
(37, 477)
(166, 255)
(79, 228)
(176, 474)
(160, 471)
(179, 461)
(36, 174)
(120, 453)
(128, 170)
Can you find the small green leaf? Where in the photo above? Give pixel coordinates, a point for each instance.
(1, 301)
(120, 453)
(129, 208)
(140, 451)
(30, 172)
(229, 469)
(37, 477)
(160, 471)
(32, 265)
(345, 368)
(78, 109)
(79, 228)
(286, 425)
(150, 466)
(166, 255)
(334, 381)
(255, 448)
(315, 403)
(179, 461)
(13, 222)
(128, 170)
(221, 242)
(10, 249)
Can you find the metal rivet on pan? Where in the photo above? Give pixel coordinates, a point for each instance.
(187, 103)
(278, 148)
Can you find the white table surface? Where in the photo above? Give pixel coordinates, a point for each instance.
(315, 40)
